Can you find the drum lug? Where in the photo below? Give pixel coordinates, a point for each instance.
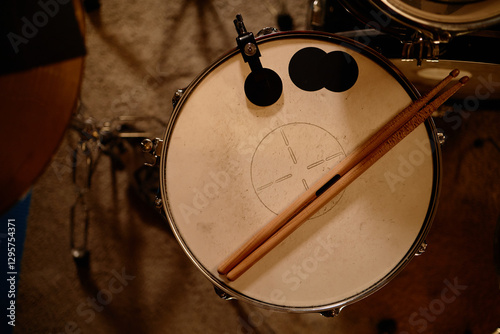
(153, 147)
(158, 203)
(421, 249)
(223, 295)
(441, 137)
(317, 14)
(266, 31)
(177, 96)
(332, 313)
(421, 48)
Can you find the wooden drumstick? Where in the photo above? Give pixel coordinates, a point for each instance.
(333, 190)
(334, 174)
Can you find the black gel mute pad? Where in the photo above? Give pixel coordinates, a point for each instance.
(312, 69)
(263, 87)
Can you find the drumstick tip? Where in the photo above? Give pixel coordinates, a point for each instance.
(464, 80)
(222, 270)
(455, 72)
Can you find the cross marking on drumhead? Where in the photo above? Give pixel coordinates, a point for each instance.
(289, 159)
(287, 143)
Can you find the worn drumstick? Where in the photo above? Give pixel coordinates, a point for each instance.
(341, 183)
(338, 171)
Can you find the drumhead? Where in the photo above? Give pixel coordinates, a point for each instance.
(228, 166)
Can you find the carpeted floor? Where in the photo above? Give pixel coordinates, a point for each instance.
(140, 281)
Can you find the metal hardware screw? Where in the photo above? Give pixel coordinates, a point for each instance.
(250, 49)
(146, 145)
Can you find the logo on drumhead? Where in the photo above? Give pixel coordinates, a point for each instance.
(291, 158)
(312, 69)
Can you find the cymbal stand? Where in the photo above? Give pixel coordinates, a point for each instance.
(113, 138)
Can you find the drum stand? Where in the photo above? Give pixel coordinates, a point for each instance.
(113, 138)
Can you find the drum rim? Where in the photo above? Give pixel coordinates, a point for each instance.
(431, 28)
(448, 26)
(436, 185)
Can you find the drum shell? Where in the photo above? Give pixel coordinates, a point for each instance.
(182, 237)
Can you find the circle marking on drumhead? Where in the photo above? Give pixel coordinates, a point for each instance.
(291, 158)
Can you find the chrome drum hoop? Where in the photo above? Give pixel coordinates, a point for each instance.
(186, 241)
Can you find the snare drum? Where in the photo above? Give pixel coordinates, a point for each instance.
(229, 166)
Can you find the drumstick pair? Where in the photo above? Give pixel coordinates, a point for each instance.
(339, 177)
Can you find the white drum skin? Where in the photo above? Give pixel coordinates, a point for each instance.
(228, 166)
